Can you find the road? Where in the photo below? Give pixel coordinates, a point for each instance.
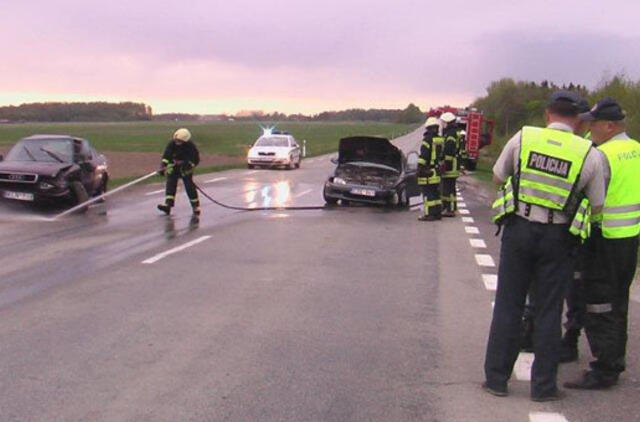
(348, 314)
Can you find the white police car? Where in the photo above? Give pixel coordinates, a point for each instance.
(275, 149)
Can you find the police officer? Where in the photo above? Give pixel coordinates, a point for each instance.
(429, 170)
(611, 252)
(180, 157)
(575, 292)
(451, 164)
(545, 172)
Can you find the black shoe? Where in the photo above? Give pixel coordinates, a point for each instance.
(495, 391)
(558, 395)
(165, 208)
(568, 354)
(449, 214)
(591, 381)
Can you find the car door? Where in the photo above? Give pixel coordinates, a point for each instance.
(411, 174)
(295, 149)
(83, 157)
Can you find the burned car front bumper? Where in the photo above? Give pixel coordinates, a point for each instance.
(361, 193)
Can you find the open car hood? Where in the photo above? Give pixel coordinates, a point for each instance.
(369, 149)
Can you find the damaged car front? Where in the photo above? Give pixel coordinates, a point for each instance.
(370, 170)
(51, 169)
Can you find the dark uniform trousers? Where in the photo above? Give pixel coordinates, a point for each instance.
(575, 297)
(189, 186)
(433, 204)
(610, 266)
(536, 258)
(449, 201)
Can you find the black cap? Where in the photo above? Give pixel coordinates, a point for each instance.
(564, 96)
(606, 109)
(583, 106)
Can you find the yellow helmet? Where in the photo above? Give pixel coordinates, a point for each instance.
(432, 121)
(448, 117)
(182, 134)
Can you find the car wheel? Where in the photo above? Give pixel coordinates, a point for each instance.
(403, 199)
(102, 189)
(80, 194)
(345, 202)
(292, 165)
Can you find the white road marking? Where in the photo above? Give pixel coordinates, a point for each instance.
(165, 254)
(490, 282)
(462, 205)
(217, 179)
(471, 230)
(464, 211)
(546, 417)
(303, 193)
(251, 172)
(155, 192)
(522, 368)
(485, 260)
(252, 205)
(467, 219)
(477, 243)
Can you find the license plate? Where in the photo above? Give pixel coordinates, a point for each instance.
(20, 196)
(363, 192)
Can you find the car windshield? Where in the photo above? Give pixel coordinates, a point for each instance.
(42, 150)
(272, 141)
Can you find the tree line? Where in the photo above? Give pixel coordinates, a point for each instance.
(76, 112)
(513, 104)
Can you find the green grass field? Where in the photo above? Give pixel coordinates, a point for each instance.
(226, 138)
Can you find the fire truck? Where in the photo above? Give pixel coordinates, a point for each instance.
(479, 130)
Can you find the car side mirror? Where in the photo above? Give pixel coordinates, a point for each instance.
(412, 161)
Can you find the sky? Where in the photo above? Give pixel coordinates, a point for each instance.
(213, 56)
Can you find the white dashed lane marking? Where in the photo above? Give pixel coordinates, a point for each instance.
(477, 243)
(485, 260)
(303, 193)
(155, 192)
(471, 230)
(464, 211)
(462, 205)
(165, 254)
(522, 368)
(490, 282)
(467, 219)
(546, 417)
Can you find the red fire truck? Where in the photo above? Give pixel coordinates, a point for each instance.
(479, 130)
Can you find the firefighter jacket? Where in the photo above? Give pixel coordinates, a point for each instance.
(620, 217)
(451, 153)
(185, 154)
(430, 158)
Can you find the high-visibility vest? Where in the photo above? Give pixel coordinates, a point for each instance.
(550, 164)
(620, 217)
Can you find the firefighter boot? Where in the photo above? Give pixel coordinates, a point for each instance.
(569, 346)
(165, 208)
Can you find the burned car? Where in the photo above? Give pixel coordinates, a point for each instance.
(371, 170)
(52, 168)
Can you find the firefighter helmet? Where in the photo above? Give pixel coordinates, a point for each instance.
(448, 117)
(182, 135)
(432, 121)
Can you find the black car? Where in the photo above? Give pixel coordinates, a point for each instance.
(371, 170)
(52, 168)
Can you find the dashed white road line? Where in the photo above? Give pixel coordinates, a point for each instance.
(155, 192)
(477, 243)
(546, 417)
(471, 230)
(464, 211)
(165, 254)
(217, 179)
(522, 368)
(467, 219)
(251, 172)
(303, 193)
(485, 260)
(462, 205)
(490, 282)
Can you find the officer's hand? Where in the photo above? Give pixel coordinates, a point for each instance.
(161, 170)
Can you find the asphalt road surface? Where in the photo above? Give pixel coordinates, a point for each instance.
(349, 314)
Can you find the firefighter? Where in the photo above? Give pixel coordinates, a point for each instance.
(545, 175)
(462, 136)
(451, 164)
(611, 252)
(429, 170)
(180, 157)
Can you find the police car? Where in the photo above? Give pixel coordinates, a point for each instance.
(275, 149)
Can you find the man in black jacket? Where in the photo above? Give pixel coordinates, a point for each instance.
(178, 161)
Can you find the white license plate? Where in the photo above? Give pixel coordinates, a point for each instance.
(363, 192)
(20, 196)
